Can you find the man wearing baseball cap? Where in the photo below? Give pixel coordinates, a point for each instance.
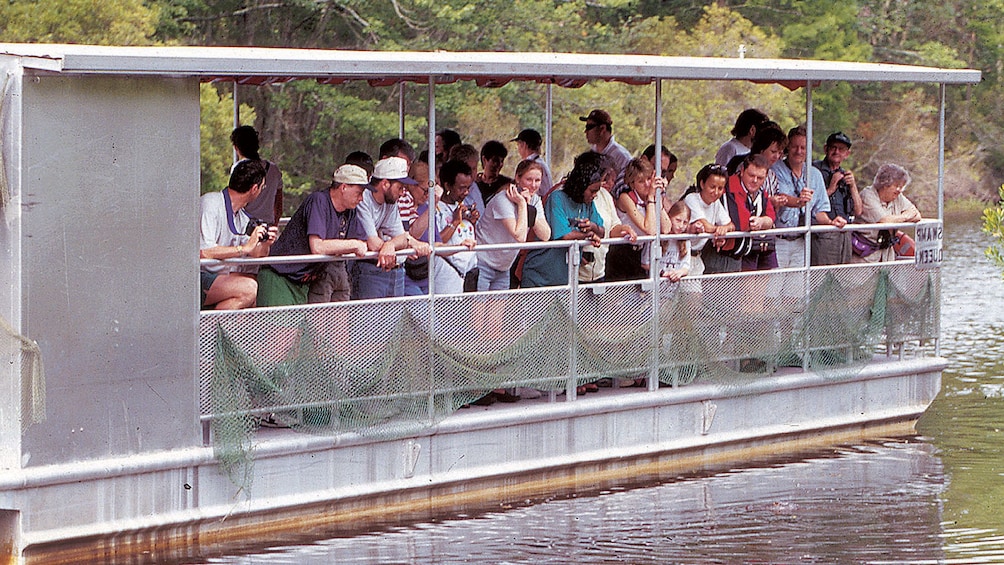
(834, 248)
(528, 144)
(599, 134)
(379, 224)
(322, 225)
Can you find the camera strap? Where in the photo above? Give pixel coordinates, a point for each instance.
(230, 212)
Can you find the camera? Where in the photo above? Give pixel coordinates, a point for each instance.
(469, 213)
(574, 223)
(254, 223)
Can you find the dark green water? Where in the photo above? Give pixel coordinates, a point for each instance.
(936, 498)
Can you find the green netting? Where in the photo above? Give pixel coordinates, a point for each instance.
(20, 352)
(389, 368)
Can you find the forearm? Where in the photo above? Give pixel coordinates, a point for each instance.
(333, 246)
(224, 252)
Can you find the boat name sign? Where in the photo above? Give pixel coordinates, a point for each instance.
(928, 245)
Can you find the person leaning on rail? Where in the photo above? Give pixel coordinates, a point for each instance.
(379, 224)
(322, 225)
(884, 203)
(801, 190)
(834, 248)
(225, 235)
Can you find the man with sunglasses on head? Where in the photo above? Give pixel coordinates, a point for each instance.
(599, 134)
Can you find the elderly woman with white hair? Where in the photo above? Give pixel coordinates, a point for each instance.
(884, 203)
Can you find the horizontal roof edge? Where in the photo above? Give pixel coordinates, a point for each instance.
(263, 65)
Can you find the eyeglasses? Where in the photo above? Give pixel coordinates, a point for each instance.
(718, 170)
(591, 126)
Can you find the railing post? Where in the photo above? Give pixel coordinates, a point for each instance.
(573, 313)
(807, 240)
(655, 248)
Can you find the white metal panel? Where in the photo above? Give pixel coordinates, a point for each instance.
(10, 255)
(110, 204)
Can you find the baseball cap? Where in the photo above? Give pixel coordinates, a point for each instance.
(598, 116)
(838, 137)
(393, 168)
(529, 136)
(350, 174)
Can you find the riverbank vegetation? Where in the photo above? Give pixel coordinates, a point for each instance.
(308, 127)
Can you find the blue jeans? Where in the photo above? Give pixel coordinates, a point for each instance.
(413, 287)
(490, 279)
(370, 281)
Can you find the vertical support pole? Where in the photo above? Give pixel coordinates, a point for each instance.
(400, 111)
(655, 250)
(237, 116)
(941, 190)
(941, 153)
(548, 123)
(432, 242)
(807, 240)
(432, 193)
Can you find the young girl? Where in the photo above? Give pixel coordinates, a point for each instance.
(675, 261)
(707, 212)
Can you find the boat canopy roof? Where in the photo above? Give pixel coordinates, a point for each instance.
(256, 65)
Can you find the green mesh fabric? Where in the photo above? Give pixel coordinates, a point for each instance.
(19, 351)
(389, 368)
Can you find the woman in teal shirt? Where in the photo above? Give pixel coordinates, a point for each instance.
(571, 215)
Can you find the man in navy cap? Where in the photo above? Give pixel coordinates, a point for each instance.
(528, 144)
(834, 248)
(599, 134)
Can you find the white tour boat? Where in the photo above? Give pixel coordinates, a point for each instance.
(128, 429)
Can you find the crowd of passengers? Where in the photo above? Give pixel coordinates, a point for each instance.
(761, 179)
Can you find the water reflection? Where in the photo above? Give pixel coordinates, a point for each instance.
(933, 499)
(966, 421)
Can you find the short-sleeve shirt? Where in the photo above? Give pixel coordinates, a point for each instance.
(316, 216)
(714, 213)
(788, 183)
(376, 220)
(463, 260)
(671, 258)
(215, 231)
(263, 207)
(596, 269)
(490, 229)
(873, 210)
(730, 149)
(549, 267)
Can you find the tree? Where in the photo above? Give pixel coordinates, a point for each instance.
(215, 124)
(100, 22)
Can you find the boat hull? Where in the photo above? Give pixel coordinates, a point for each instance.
(174, 504)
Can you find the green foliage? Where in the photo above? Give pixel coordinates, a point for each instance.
(215, 124)
(993, 224)
(100, 22)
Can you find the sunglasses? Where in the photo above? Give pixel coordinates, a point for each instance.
(592, 126)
